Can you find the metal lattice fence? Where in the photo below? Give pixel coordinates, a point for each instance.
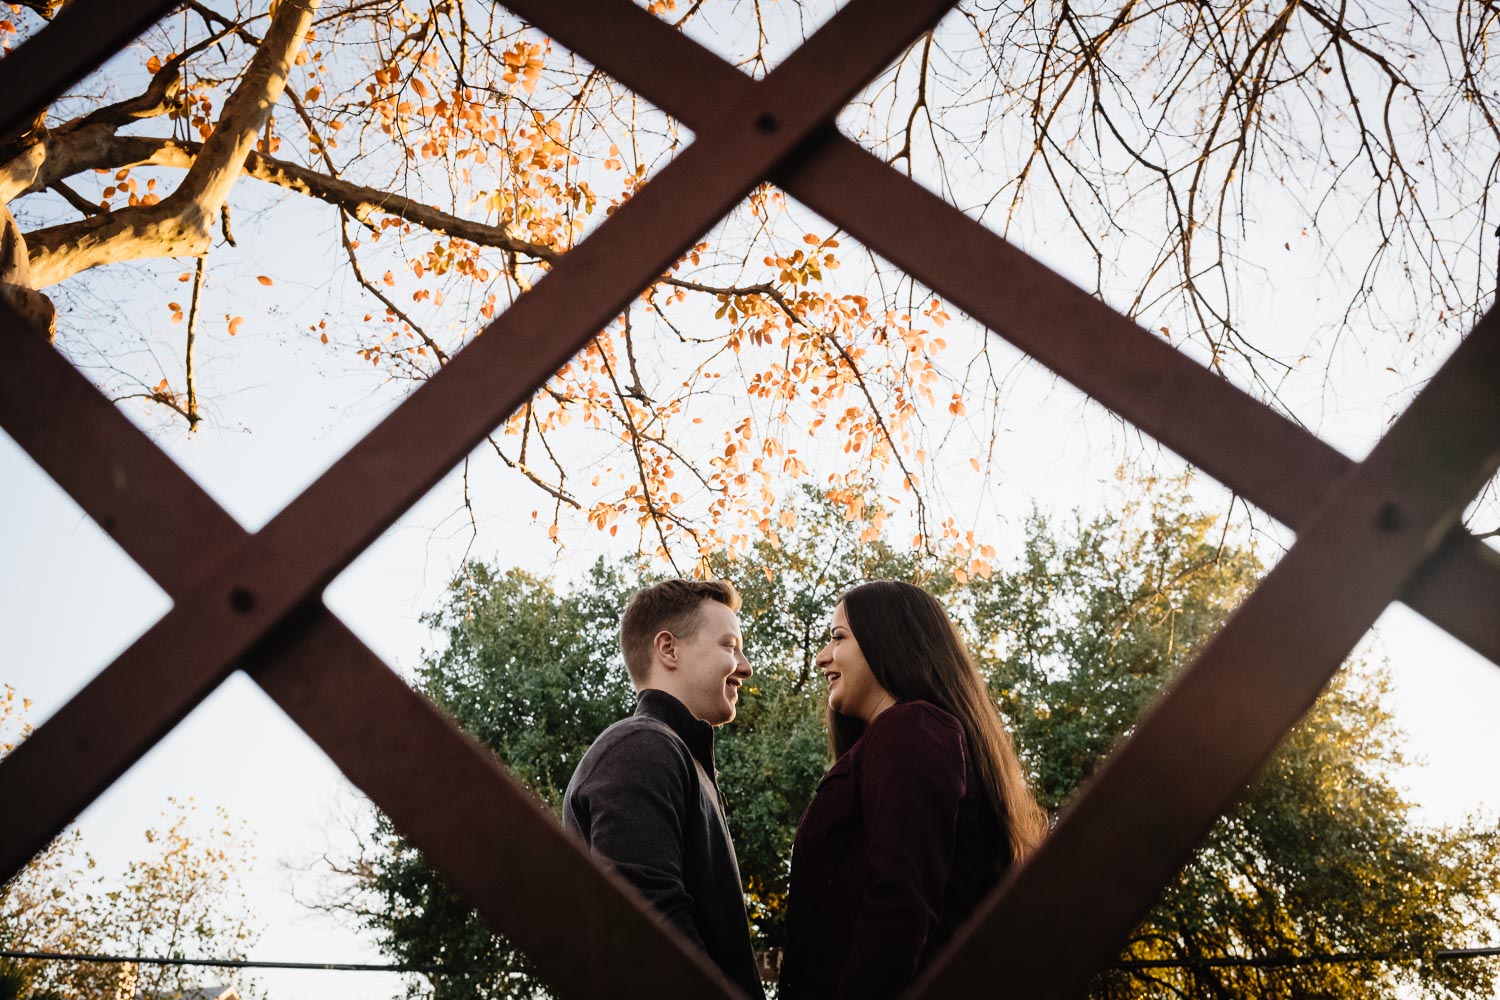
(1368, 533)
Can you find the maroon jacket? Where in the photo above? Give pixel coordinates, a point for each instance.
(893, 854)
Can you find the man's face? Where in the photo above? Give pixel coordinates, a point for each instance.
(711, 665)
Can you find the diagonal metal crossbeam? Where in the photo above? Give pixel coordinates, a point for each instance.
(1262, 455)
(257, 598)
(387, 739)
(1191, 755)
(1388, 523)
(80, 38)
(1246, 445)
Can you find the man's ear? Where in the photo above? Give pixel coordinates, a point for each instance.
(664, 648)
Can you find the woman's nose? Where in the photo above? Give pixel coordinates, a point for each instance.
(825, 655)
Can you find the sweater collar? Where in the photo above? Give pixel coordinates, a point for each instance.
(697, 734)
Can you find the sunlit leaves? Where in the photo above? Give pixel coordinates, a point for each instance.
(700, 427)
(523, 64)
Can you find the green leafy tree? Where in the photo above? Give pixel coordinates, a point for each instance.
(1324, 855)
(1076, 638)
(772, 757)
(534, 672)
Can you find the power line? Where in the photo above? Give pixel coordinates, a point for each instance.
(1228, 961)
(1283, 961)
(225, 963)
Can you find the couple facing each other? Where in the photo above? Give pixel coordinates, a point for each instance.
(923, 810)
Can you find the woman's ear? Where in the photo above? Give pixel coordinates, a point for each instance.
(664, 648)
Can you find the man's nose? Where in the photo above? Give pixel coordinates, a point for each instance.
(744, 667)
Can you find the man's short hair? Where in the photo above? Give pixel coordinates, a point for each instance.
(673, 606)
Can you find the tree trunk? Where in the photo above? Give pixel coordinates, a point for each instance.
(182, 223)
(15, 279)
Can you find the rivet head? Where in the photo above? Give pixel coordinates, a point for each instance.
(1390, 517)
(241, 599)
(767, 123)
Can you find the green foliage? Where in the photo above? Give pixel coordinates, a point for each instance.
(535, 674)
(1324, 855)
(1076, 639)
(772, 757)
(15, 980)
(1084, 631)
(532, 673)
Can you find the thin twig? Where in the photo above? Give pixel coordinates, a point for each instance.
(192, 332)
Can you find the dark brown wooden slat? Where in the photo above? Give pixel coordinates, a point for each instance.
(1475, 566)
(1062, 916)
(498, 848)
(262, 582)
(1252, 449)
(583, 930)
(1457, 592)
(77, 41)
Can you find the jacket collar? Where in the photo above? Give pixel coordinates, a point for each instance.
(697, 734)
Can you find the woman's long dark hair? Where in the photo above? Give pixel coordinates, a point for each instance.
(915, 652)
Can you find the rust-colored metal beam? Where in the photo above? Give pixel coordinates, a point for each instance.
(412, 762)
(1260, 454)
(252, 601)
(261, 593)
(1063, 915)
(80, 38)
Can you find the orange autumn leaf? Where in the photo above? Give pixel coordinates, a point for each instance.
(264, 280)
(234, 325)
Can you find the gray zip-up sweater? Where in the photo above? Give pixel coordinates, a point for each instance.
(645, 799)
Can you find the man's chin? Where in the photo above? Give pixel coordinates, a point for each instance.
(721, 713)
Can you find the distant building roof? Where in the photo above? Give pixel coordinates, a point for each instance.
(195, 993)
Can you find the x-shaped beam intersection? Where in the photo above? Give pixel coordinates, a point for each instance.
(1367, 533)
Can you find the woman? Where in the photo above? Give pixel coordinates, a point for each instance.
(923, 810)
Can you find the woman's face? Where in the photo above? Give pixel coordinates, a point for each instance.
(852, 688)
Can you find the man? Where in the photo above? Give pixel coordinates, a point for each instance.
(645, 796)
